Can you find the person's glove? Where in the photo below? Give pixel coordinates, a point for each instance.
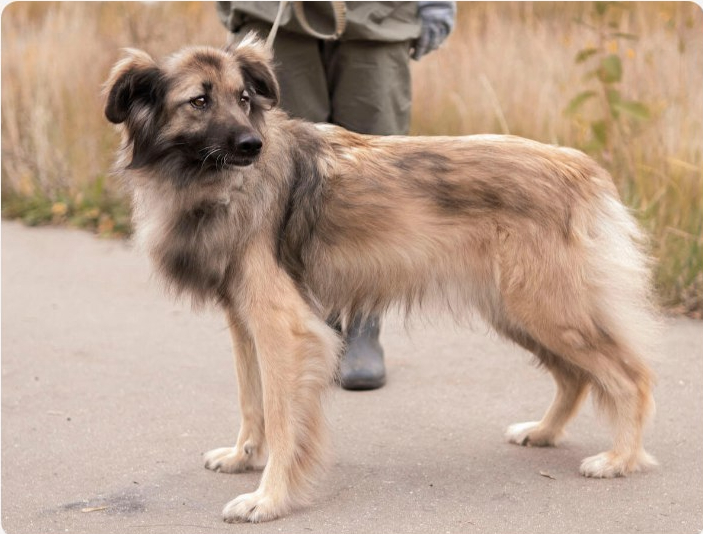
(437, 19)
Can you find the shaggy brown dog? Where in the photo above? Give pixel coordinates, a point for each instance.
(284, 223)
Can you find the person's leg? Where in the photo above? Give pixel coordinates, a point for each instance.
(361, 366)
(370, 94)
(370, 86)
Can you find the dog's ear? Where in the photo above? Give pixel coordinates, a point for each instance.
(256, 62)
(135, 80)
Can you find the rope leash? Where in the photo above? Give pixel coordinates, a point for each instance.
(339, 10)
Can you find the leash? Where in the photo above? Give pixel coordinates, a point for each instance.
(339, 10)
(276, 23)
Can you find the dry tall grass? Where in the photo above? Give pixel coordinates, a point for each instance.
(56, 145)
(508, 67)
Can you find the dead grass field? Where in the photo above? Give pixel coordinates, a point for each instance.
(509, 67)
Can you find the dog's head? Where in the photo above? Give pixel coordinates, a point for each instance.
(200, 109)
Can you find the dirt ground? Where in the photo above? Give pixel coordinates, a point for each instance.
(111, 392)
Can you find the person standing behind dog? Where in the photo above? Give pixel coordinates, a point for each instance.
(360, 81)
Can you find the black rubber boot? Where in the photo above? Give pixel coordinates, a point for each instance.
(362, 366)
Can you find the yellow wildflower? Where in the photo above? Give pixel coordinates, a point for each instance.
(92, 213)
(59, 209)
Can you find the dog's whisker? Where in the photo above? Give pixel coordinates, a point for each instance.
(210, 151)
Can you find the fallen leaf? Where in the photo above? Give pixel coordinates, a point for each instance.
(93, 509)
(547, 475)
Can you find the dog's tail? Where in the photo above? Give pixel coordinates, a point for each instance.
(620, 270)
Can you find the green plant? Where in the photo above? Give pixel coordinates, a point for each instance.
(617, 117)
(94, 207)
(661, 183)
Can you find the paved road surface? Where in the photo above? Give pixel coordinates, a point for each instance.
(111, 392)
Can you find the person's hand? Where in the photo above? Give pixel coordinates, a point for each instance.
(437, 20)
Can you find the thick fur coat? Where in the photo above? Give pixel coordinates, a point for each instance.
(285, 224)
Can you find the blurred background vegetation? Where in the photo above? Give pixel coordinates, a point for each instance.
(621, 81)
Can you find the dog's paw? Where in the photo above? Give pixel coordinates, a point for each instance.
(611, 465)
(232, 459)
(253, 507)
(530, 434)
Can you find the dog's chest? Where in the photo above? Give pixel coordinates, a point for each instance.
(191, 245)
(197, 252)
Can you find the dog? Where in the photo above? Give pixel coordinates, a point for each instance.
(284, 224)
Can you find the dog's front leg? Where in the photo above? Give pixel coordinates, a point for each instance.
(297, 359)
(250, 450)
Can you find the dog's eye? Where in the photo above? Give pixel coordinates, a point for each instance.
(244, 98)
(199, 102)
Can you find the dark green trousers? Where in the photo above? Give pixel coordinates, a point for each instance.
(363, 86)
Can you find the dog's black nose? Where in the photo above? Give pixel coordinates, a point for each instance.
(248, 144)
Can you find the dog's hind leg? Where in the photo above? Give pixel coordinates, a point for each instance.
(621, 383)
(625, 332)
(585, 302)
(624, 393)
(572, 388)
(250, 450)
